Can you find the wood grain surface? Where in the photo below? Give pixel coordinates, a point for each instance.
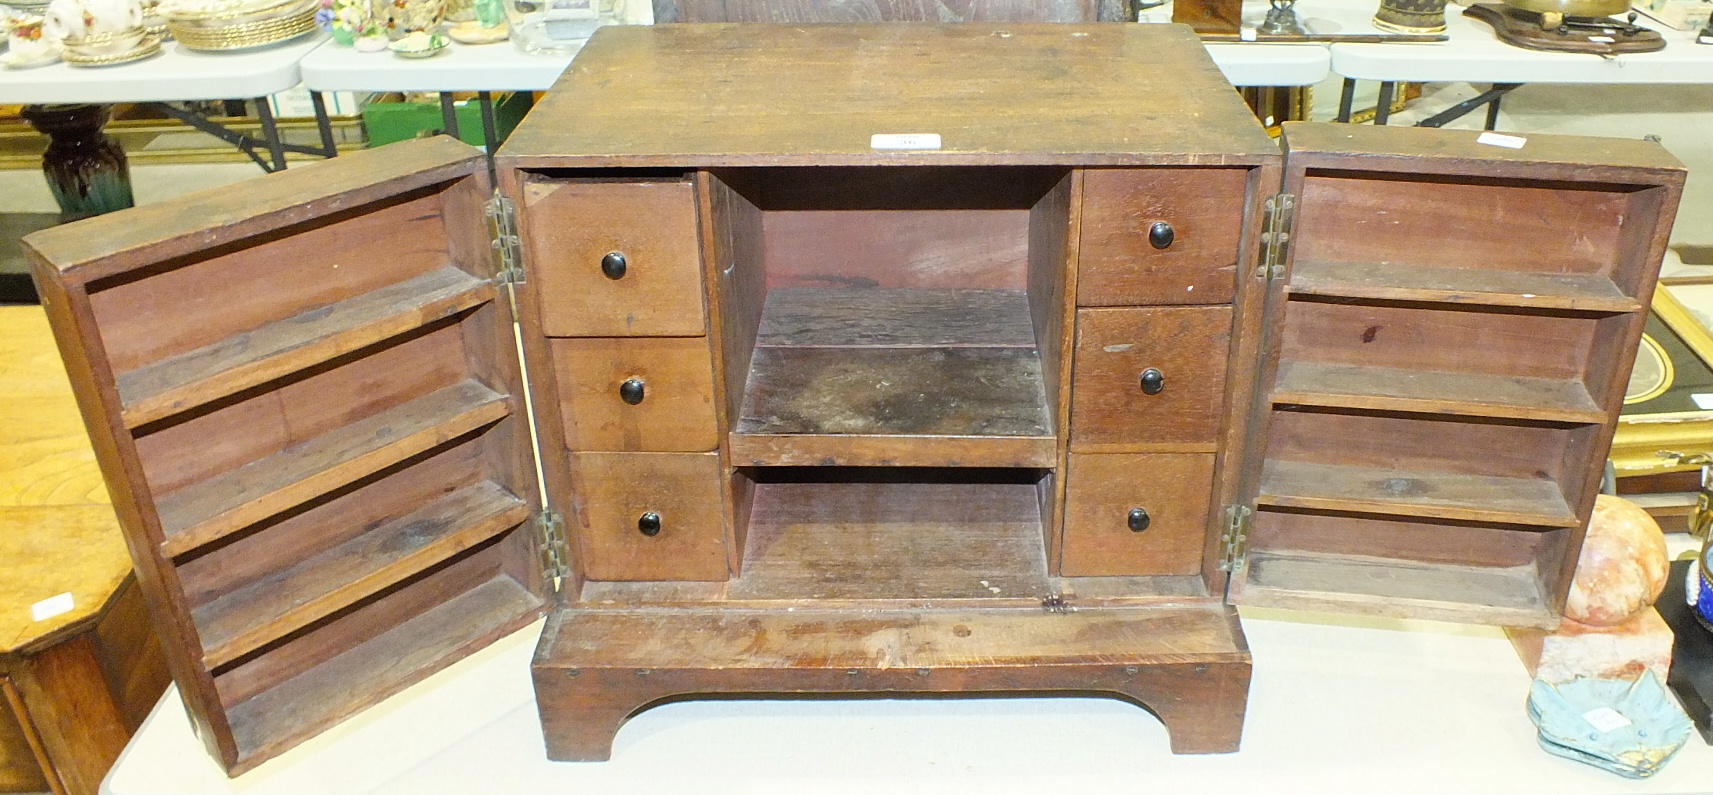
(682, 489)
(568, 226)
(677, 409)
(1176, 491)
(1118, 266)
(1109, 410)
(815, 94)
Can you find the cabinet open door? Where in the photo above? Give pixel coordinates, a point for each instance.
(1450, 336)
(305, 396)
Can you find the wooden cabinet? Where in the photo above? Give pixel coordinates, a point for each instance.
(1026, 409)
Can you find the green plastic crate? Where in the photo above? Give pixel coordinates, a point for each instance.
(399, 121)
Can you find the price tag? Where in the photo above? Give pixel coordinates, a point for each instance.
(1605, 719)
(1501, 139)
(1703, 400)
(904, 141)
(52, 606)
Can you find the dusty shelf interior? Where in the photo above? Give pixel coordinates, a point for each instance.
(895, 317)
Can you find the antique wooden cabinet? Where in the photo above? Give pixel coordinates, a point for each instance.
(858, 358)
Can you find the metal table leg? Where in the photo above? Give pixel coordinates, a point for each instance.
(1345, 98)
(323, 125)
(1383, 106)
(448, 115)
(490, 133)
(271, 131)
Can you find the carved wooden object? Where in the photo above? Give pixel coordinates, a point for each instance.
(1012, 412)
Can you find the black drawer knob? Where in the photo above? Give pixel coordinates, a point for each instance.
(632, 391)
(1139, 520)
(1153, 381)
(649, 524)
(1161, 235)
(614, 265)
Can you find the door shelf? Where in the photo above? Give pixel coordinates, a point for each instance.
(292, 598)
(214, 508)
(236, 363)
(1422, 391)
(1503, 595)
(1441, 495)
(385, 663)
(1387, 281)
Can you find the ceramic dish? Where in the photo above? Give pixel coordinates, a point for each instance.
(150, 46)
(419, 45)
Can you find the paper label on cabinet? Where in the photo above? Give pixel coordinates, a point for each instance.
(904, 141)
(1605, 719)
(1501, 139)
(1703, 400)
(52, 606)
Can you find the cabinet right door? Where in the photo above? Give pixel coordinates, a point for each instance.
(1449, 337)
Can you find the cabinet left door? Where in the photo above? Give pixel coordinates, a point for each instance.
(305, 397)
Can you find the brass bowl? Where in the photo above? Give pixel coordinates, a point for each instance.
(1573, 8)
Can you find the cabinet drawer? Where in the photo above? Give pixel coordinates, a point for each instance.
(575, 236)
(1112, 409)
(653, 394)
(1172, 493)
(650, 516)
(1118, 263)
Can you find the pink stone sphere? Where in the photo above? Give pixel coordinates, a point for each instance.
(1623, 566)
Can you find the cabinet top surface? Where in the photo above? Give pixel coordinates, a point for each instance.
(996, 94)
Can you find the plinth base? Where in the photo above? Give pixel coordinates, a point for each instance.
(594, 668)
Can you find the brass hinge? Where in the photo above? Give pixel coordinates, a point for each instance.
(1234, 542)
(502, 232)
(1276, 237)
(551, 527)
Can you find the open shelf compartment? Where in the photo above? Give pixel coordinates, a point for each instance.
(1444, 359)
(1509, 575)
(893, 317)
(1496, 242)
(1486, 470)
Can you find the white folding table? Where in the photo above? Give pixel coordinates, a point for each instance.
(1472, 54)
(179, 74)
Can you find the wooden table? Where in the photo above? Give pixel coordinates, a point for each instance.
(78, 682)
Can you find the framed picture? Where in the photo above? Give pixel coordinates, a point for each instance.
(1668, 407)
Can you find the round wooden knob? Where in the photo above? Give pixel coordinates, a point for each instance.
(614, 265)
(1139, 520)
(649, 524)
(1153, 381)
(1161, 235)
(632, 391)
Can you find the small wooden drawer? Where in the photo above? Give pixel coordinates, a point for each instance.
(1108, 497)
(650, 516)
(614, 258)
(1191, 259)
(651, 394)
(1149, 380)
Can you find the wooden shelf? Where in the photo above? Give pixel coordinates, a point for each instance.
(207, 511)
(286, 346)
(1472, 286)
(891, 540)
(894, 407)
(292, 598)
(330, 692)
(1440, 495)
(1506, 596)
(905, 377)
(1463, 394)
